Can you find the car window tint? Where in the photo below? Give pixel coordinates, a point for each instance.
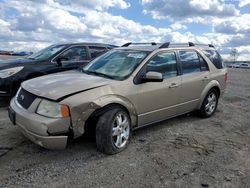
(215, 58)
(164, 63)
(95, 51)
(203, 64)
(75, 54)
(190, 62)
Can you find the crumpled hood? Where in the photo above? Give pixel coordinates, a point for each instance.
(61, 85)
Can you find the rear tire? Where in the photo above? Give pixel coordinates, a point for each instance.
(209, 104)
(113, 131)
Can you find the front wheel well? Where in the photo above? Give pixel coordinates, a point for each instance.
(90, 124)
(217, 89)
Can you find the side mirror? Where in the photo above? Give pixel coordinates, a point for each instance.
(153, 77)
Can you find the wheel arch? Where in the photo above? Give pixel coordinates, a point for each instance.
(109, 101)
(91, 122)
(214, 84)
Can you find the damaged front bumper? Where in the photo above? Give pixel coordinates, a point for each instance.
(40, 129)
(48, 142)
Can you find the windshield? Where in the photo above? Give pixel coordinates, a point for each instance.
(46, 52)
(116, 64)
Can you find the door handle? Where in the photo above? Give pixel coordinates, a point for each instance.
(174, 85)
(205, 78)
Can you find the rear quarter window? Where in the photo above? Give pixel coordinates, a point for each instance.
(215, 58)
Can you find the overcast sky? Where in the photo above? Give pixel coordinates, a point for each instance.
(32, 25)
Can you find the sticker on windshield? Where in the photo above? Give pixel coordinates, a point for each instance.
(136, 55)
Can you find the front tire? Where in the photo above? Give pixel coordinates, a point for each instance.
(209, 104)
(113, 131)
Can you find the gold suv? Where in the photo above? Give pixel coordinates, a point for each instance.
(122, 90)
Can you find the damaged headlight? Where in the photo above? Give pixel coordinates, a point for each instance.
(52, 109)
(9, 72)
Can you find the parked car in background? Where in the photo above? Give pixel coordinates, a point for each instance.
(55, 58)
(241, 65)
(22, 53)
(6, 52)
(122, 90)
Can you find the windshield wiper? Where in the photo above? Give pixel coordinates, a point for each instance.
(98, 74)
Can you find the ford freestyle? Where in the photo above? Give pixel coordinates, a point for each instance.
(122, 90)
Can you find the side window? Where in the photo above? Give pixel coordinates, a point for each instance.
(95, 51)
(215, 58)
(74, 54)
(203, 64)
(164, 63)
(190, 62)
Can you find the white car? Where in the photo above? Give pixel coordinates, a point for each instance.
(241, 65)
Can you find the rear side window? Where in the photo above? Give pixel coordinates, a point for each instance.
(203, 63)
(215, 58)
(95, 51)
(190, 62)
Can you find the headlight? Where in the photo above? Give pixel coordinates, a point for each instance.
(52, 109)
(9, 72)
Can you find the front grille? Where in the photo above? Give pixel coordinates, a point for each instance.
(25, 98)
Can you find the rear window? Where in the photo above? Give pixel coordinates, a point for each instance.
(215, 58)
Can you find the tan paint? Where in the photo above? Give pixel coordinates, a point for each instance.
(146, 102)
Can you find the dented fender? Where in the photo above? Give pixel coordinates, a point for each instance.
(81, 113)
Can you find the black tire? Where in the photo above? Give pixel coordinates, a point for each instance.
(104, 130)
(203, 112)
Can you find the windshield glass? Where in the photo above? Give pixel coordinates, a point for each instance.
(46, 52)
(116, 64)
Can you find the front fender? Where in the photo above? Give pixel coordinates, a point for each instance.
(116, 99)
(81, 113)
(209, 86)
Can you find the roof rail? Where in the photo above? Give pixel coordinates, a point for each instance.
(140, 43)
(189, 44)
(165, 45)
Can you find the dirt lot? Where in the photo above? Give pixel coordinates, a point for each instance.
(183, 152)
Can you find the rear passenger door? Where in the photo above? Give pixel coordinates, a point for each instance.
(195, 76)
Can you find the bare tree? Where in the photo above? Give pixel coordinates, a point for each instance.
(234, 54)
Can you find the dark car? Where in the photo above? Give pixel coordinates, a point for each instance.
(55, 58)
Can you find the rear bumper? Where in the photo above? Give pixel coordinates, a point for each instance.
(37, 128)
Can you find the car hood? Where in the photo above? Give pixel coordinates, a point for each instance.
(63, 85)
(14, 62)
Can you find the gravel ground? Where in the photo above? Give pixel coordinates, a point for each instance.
(182, 152)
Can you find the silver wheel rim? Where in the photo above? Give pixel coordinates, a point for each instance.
(120, 130)
(211, 103)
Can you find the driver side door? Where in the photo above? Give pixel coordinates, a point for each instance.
(159, 100)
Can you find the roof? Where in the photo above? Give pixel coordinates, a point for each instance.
(86, 43)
